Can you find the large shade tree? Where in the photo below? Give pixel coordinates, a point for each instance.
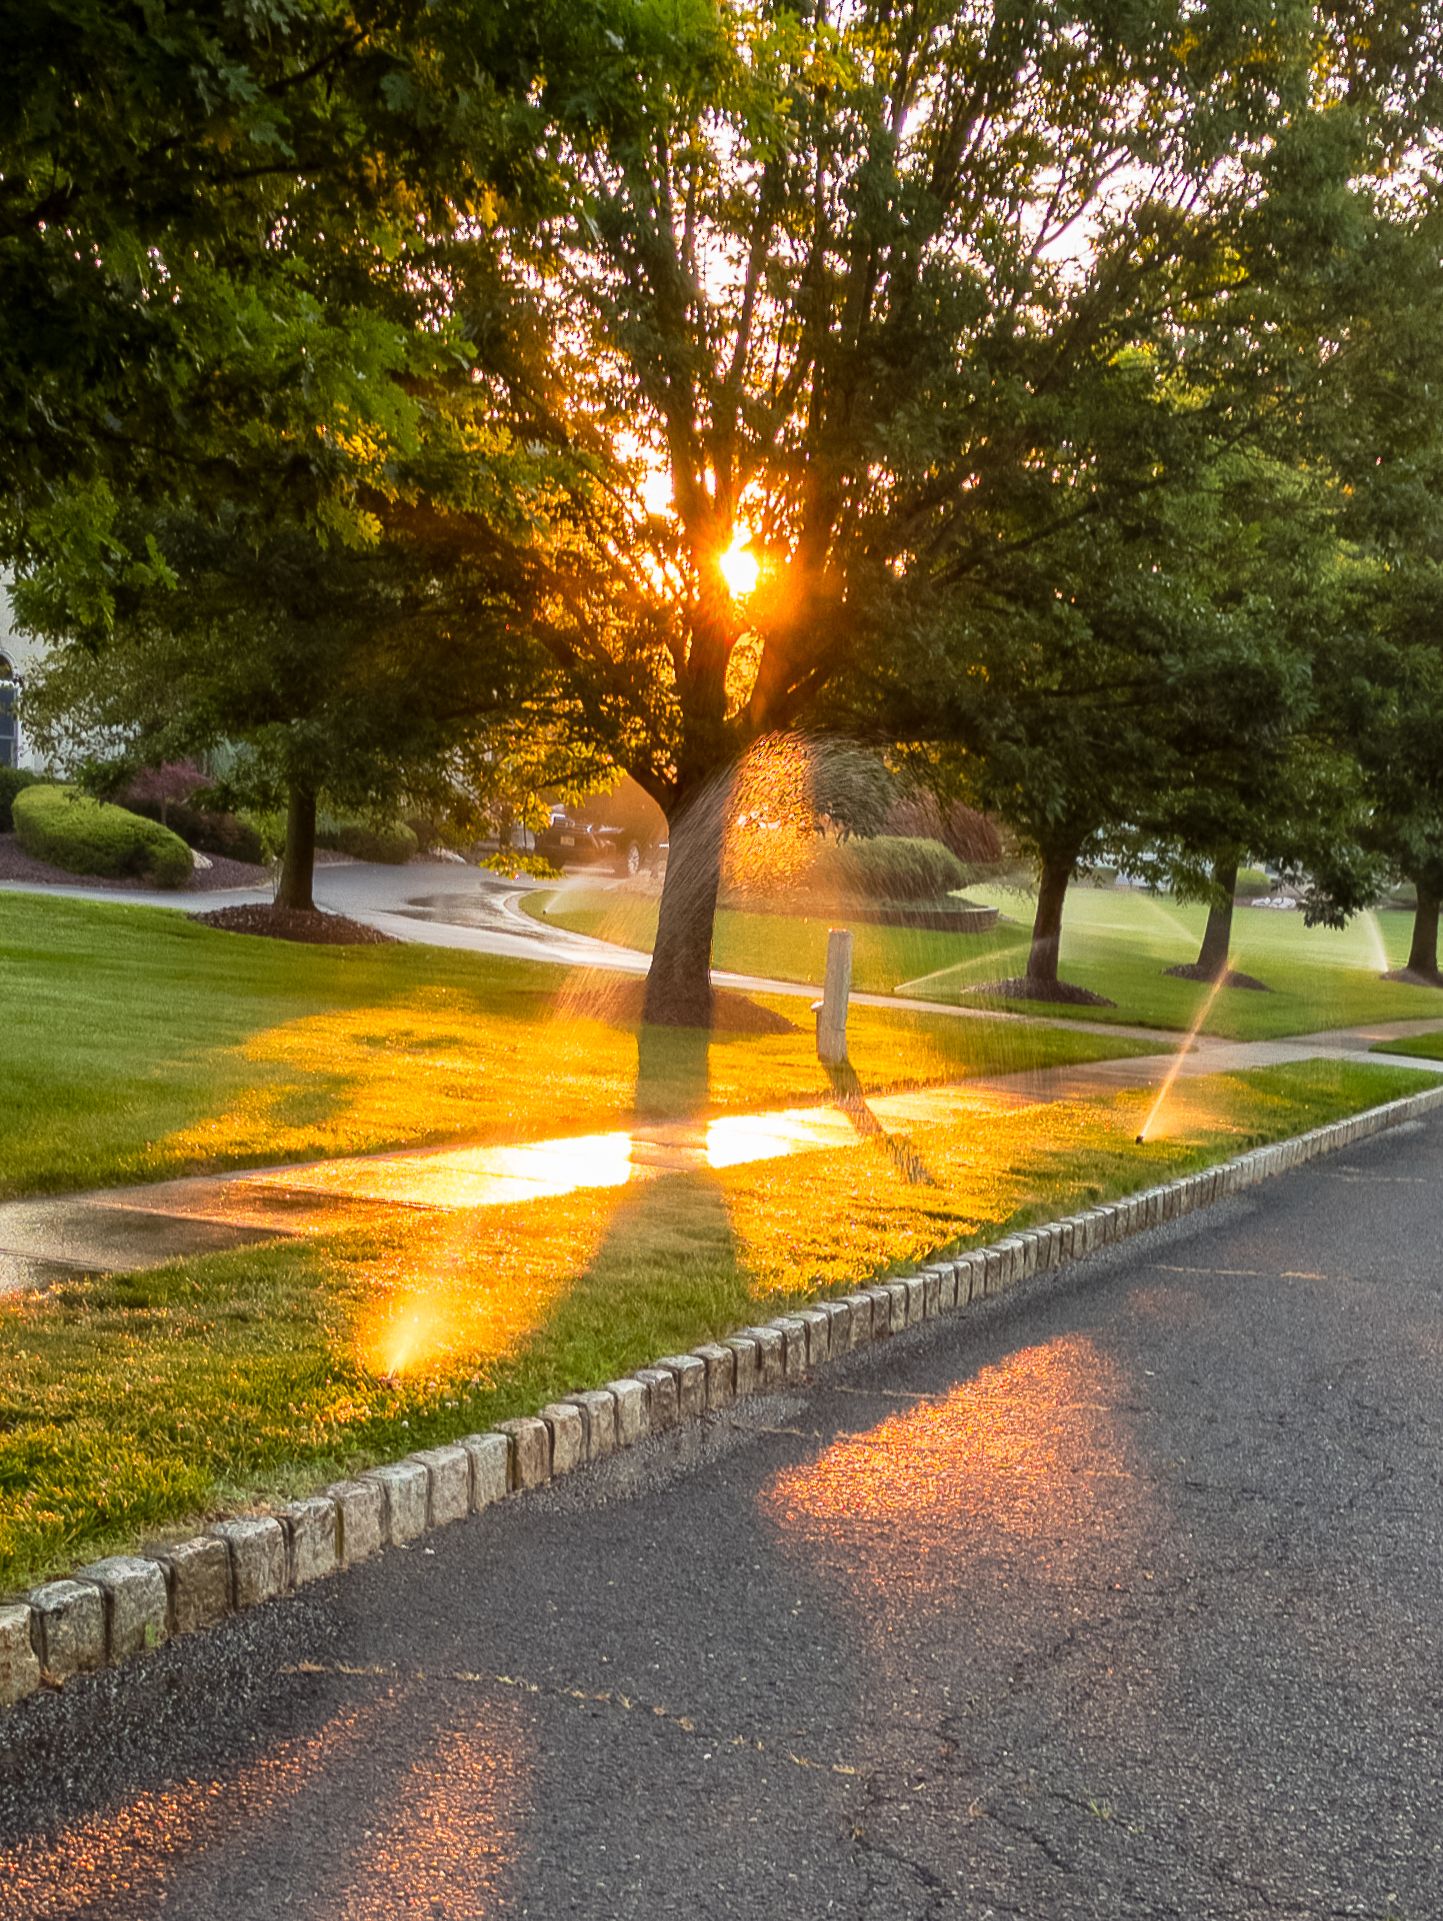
(883, 291)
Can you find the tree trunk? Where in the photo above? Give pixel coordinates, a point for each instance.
(678, 985)
(299, 863)
(1047, 925)
(1423, 954)
(1217, 940)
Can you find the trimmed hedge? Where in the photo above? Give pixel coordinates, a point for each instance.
(92, 837)
(889, 867)
(392, 845)
(12, 781)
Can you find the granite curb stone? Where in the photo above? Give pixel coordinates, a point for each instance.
(313, 1535)
(630, 1398)
(598, 1415)
(746, 1362)
(197, 1576)
(257, 1548)
(361, 1519)
(660, 1385)
(530, 1442)
(818, 1324)
(68, 1626)
(568, 1435)
(720, 1364)
(793, 1330)
(448, 1474)
(19, 1662)
(771, 1354)
(407, 1489)
(135, 1601)
(489, 1456)
(690, 1375)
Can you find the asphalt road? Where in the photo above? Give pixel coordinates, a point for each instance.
(1118, 1599)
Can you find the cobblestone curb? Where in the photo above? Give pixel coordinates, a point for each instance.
(129, 1603)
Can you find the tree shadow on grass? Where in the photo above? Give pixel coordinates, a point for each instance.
(668, 1261)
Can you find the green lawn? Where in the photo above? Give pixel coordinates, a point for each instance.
(137, 1044)
(1427, 1047)
(133, 1405)
(1116, 941)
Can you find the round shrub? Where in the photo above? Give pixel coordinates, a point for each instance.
(92, 837)
(393, 844)
(888, 867)
(12, 780)
(1252, 884)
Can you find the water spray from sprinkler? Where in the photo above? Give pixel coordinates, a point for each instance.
(1184, 1046)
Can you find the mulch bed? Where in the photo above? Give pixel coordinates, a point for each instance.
(285, 923)
(16, 864)
(1410, 977)
(1192, 972)
(1063, 993)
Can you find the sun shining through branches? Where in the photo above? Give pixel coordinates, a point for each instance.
(740, 567)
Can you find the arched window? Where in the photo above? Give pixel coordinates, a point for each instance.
(9, 723)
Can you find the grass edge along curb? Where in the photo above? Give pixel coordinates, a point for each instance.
(128, 1603)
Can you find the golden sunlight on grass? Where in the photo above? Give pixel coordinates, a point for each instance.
(469, 1287)
(431, 1067)
(426, 1067)
(447, 1290)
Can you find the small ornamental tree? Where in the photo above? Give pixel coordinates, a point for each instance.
(365, 678)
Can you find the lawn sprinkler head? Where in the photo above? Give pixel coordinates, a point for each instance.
(1142, 1139)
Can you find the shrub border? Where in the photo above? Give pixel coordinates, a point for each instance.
(126, 1604)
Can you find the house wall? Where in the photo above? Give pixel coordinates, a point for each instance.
(21, 653)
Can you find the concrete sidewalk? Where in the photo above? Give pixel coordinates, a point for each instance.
(129, 1228)
(1114, 1598)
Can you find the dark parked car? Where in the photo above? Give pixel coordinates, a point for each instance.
(569, 842)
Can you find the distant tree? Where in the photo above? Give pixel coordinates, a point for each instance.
(1260, 770)
(1388, 693)
(1138, 688)
(1385, 681)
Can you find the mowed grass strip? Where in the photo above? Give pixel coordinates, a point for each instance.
(1424, 1047)
(138, 1045)
(1116, 941)
(132, 1406)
